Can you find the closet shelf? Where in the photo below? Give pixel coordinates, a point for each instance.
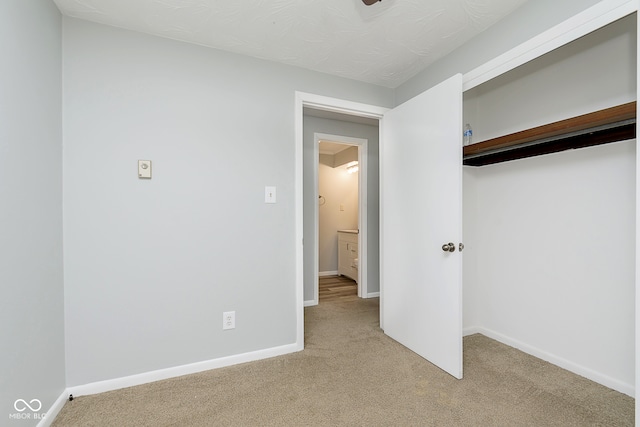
(600, 127)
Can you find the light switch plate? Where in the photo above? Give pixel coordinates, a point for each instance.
(144, 169)
(269, 194)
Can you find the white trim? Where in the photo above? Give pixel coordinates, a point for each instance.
(342, 106)
(299, 218)
(54, 410)
(311, 303)
(373, 294)
(637, 276)
(303, 99)
(363, 219)
(598, 377)
(327, 273)
(177, 371)
(591, 19)
(316, 218)
(472, 330)
(380, 222)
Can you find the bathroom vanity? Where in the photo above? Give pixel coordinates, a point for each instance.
(348, 253)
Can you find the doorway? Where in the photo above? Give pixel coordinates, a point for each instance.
(344, 113)
(363, 138)
(341, 223)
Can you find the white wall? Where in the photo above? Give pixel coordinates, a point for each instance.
(339, 211)
(150, 265)
(555, 248)
(32, 318)
(471, 294)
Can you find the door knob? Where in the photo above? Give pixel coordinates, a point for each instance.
(461, 247)
(449, 247)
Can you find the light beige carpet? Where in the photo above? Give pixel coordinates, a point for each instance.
(351, 374)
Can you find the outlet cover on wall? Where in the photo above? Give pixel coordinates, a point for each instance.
(228, 320)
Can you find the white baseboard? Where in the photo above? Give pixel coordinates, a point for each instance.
(177, 371)
(470, 331)
(54, 410)
(373, 294)
(327, 273)
(628, 389)
(311, 303)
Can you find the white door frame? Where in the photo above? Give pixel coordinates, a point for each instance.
(363, 150)
(325, 103)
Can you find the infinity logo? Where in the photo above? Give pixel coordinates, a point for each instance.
(24, 405)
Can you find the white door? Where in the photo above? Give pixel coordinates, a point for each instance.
(421, 210)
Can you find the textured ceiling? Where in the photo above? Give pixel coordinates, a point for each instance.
(384, 44)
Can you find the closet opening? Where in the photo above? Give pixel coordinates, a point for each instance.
(573, 307)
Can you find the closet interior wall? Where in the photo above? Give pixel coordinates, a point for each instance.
(549, 263)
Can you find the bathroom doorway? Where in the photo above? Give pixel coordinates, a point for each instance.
(338, 220)
(340, 174)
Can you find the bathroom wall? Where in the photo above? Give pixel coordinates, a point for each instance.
(338, 209)
(345, 156)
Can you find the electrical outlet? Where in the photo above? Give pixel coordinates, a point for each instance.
(229, 320)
